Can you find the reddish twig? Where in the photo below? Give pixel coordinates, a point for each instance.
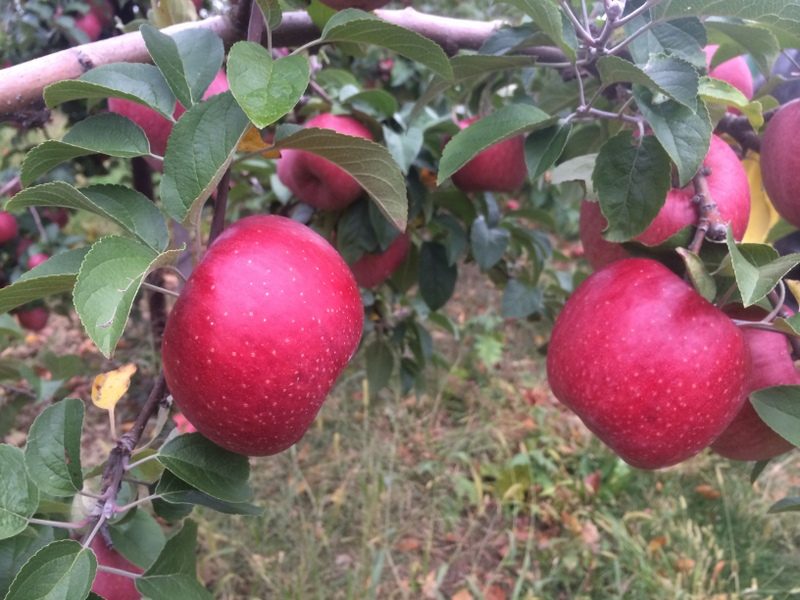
(220, 206)
(709, 223)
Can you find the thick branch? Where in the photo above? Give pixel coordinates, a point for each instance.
(709, 223)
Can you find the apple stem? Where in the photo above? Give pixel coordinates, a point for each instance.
(709, 224)
(220, 206)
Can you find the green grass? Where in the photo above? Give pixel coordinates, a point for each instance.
(479, 489)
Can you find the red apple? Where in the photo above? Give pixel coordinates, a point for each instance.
(315, 180)
(100, 16)
(37, 259)
(499, 168)
(729, 189)
(109, 585)
(371, 270)
(748, 437)
(780, 161)
(653, 369)
(734, 71)
(265, 325)
(8, 227)
(33, 319)
(156, 127)
(362, 4)
(59, 216)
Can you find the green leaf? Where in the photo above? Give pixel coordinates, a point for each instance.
(683, 133)
(266, 89)
(667, 75)
(579, 168)
(199, 151)
(10, 328)
(508, 122)
(19, 497)
(106, 133)
(779, 408)
(109, 279)
(701, 279)
(53, 450)
(682, 38)
(722, 92)
(404, 147)
(173, 576)
(788, 504)
(189, 60)
(62, 570)
(271, 9)
(550, 20)
(757, 268)
(758, 468)
(380, 363)
(129, 209)
(765, 12)
(138, 538)
(735, 38)
(211, 469)
(176, 491)
(15, 552)
(520, 300)
(378, 103)
(544, 147)
(367, 162)
(437, 277)
(632, 182)
(139, 83)
(54, 276)
(488, 243)
(360, 27)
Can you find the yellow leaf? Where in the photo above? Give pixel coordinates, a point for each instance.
(108, 388)
(254, 142)
(763, 215)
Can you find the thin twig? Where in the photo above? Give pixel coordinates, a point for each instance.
(778, 304)
(38, 221)
(635, 13)
(784, 313)
(624, 43)
(587, 37)
(220, 206)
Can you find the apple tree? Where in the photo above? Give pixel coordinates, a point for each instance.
(309, 178)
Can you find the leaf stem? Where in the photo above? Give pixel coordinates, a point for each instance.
(141, 461)
(121, 572)
(587, 37)
(60, 524)
(159, 289)
(630, 38)
(635, 13)
(135, 503)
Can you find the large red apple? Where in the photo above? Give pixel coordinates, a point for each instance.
(780, 161)
(371, 270)
(315, 180)
(653, 369)
(748, 437)
(263, 328)
(156, 127)
(729, 189)
(109, 585)
(362, 4)
(734, 71)
(499, 168)
(8, 227)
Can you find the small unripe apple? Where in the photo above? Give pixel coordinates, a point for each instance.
(734, 71)
(8, 227)
(652, 368)
(315, 180)
(37, 259)
(371, 270)
(109, 585)
(266, 323)
(33, 319)
(362, 4)
(729, 189)
(499, 168)
(780, 161)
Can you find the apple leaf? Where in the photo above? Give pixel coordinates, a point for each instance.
(107, 284)
(266, 89)
(380, 364)
(505, 123)
(128, 208)
(682, 38)
(356, 26)
(437, 277)
(521, 299)
(404, 146)
(189, 60)
(138, 538)
(106, 133)
(758, 468)
(19, 496)
(53, 449)
(632, 182)
(377, 103)
(488, 243)
(721, 92)
(779, 407)
(757, 268)
(736, 38)
(788, 504)
(173, 575)
(54, 276)
(15, 552)
(62, 569)
(700, 277)
(139, 83)
(668, 75)
(552, 22)
(579, 168)
(367, 162)
(176, 491)
(199, 150)
(211, 469)
(271, 10)
(544, 147)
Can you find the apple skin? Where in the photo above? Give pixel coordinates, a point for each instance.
(265, 325)
(156, 127)
(37, 259)
(33, 319)
(499, 168)
(734, 71)
(315, 180)
(780, 161)
(748, 437)
(653, 369)
(95, 20)
(108, 585)
(362, 4)
(8, 227)
(371, 270)
(729, 189)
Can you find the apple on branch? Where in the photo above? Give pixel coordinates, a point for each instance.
(110, 585)
(780, 161)
(374, 268)
(8, 227)
(734, 71)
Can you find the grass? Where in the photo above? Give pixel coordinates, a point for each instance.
(486, 488)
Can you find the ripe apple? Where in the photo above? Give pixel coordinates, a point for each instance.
(99, 16)
(109, 585)
(653, 369)
(37, 259)
(780, 161)
(748, 437)
(265, 325)
(315, 180)
(8, 227)
(734, 71)
(59, 216)
(33, 319)
(156, 127)
(499, 168)
(362, 4)
(371, 270)
(729, 189)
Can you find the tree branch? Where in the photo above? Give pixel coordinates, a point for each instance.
(709, 223)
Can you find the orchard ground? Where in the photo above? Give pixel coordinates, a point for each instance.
(485, 487)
